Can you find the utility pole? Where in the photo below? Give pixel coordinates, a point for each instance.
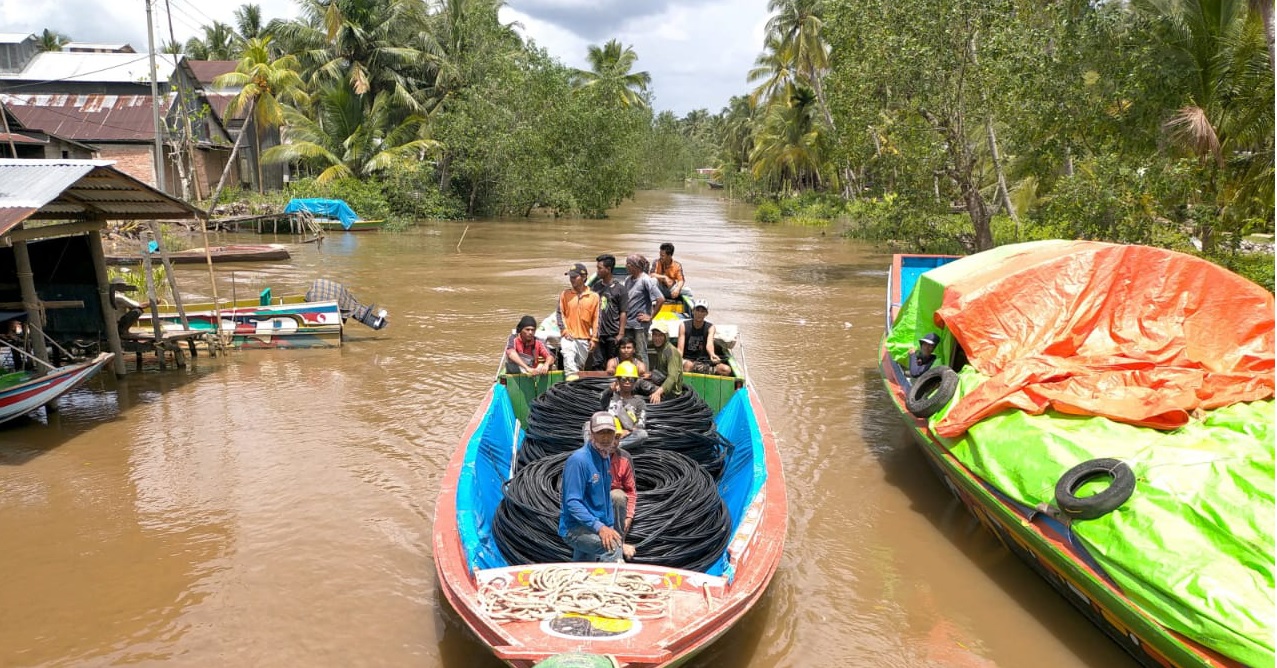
(155, 105)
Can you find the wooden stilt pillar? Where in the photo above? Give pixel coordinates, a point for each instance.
(156, 328)
(110, 317)
(31, 302)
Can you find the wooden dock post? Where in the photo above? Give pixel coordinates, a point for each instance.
(31, 302)
(110, 318)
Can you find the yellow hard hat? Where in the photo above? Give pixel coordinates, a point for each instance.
(626, 370)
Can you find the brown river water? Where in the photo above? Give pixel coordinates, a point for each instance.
(274, 508)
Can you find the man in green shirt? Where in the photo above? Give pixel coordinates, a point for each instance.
(668, 362)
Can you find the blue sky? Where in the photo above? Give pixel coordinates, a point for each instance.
(697, 51)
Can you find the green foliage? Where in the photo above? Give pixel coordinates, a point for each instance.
(1109, 200)
(364, 196)
(1257, 267)
(411, 192)
(768, 212)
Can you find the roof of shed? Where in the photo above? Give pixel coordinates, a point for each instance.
(78, 190)
(94, 67)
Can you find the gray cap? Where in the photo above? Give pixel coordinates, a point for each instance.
(602, 421)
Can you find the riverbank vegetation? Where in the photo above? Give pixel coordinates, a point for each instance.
(957, 125)
(418, 110)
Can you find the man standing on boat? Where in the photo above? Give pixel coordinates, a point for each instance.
(578, 319)
(668, 272)
(645, 301)
(920, 360)
(587, 516)
(612, 314)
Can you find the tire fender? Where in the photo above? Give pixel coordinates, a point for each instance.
(931, 391)
(1105, 501)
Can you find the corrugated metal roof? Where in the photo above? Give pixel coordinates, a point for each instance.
(87, 117)
(79, 189)
(94, 67)
(99, 47)
(19, 139)
(207, 70)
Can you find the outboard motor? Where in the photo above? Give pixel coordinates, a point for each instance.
(323, 289)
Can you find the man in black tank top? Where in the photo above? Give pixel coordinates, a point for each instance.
(696, 343)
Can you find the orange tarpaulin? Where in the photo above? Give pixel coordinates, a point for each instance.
(1137, 334)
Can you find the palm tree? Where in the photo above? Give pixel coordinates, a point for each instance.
(362, 41)
(263, 82)
(51, 40)
(790, 147)
(1227, 120)
(348, 139)
(797, 25)
(218, 43)
(610, 73)
(775, 69)
(248, 22)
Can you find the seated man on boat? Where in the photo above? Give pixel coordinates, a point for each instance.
(626, 353)
(586, 514)
(524, 352)
(697, 344)
(921, 358)
(322, 290)
(669, 364)
(629, 409)
(624, 497)
(668, 272)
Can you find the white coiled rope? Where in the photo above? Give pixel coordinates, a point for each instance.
(551, 592)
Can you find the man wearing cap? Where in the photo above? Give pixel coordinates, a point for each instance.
(668, 361)
(920, 360)
(587, 516)
(645, 301)
(696, 344)
(578, 319)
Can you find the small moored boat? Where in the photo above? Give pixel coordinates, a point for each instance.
(332, 214)
(659, 614)
(1107, 412)
(313, 320)
(20, 393)
(234, 253)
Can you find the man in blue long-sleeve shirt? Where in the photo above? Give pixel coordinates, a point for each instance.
(585, 518)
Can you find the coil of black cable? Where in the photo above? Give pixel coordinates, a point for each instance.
(683, 424)
(679, 519)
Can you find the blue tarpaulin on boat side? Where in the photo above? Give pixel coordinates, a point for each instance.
(325, 208)
(746, 466)
(489, 456)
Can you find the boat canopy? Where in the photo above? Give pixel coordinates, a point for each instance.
(336, 209)
(1140, 335)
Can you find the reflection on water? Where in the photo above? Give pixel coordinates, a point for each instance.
(274, 508)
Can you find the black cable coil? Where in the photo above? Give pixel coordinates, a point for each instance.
(683, 424)
(679, 519)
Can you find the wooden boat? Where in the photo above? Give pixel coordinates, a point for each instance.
(235, 253)
(313, 320)
(1075, 363)
(20, 394)
(357, 226)
(332, 214)
(701, 606)
(281, 322)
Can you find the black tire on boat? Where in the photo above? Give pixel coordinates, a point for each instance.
(931, 391)
(1102, 502)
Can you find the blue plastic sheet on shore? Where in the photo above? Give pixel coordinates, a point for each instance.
(325, 208)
